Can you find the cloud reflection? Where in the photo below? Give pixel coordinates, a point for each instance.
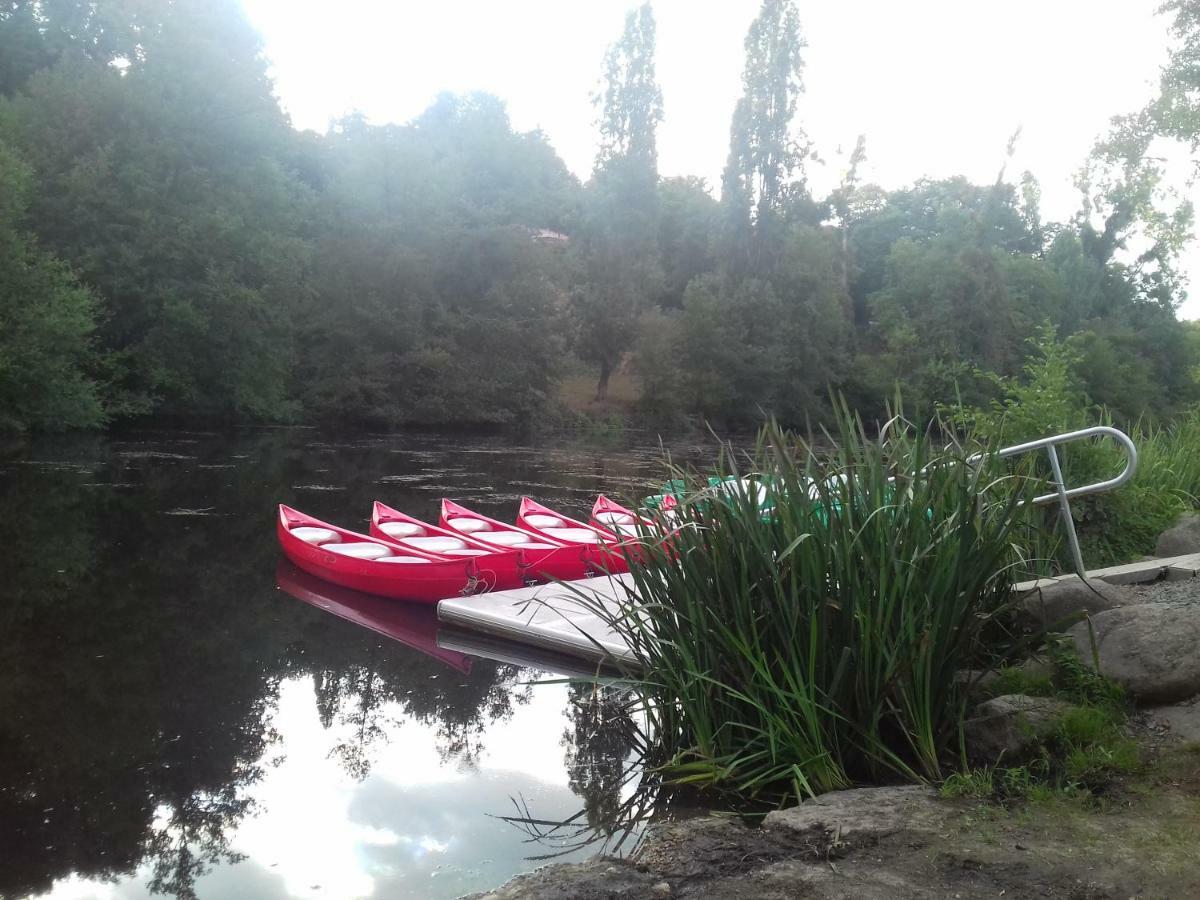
(419, 826)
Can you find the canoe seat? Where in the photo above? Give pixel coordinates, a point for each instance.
(401, 529)
(466, 551)
(534, 545)
(467, 525)
(358, 550)
(436, 544)
(573, 535)
(625, 528)
(506, 538)
(614, 518)
(311, 535)
(404, 559)
(537, 520)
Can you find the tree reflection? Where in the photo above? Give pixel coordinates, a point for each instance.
(367, 691)
(605, 752)
(141, 657)
(192, 838)
(598, 744)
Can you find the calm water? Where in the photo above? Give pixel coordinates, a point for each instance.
(175, 719)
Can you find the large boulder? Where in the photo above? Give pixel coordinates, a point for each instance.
(1006, 728)
(1181, 538)
(1061, 601)
(863, 816)
(1151, 649)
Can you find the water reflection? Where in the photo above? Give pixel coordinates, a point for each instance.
(172, 722)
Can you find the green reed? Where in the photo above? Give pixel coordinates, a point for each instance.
(821, 646)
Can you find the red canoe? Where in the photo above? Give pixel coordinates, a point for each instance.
(603, 548)
(411, 625)
(614, 518)
(544, 559)
(498, 568)
(370, 564)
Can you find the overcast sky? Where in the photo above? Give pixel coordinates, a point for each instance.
(937, 86)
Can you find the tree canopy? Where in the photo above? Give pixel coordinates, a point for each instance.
(171, 247)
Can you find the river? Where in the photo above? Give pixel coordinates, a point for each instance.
(174, 722)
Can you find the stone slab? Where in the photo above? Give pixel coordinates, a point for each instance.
(1130, 573)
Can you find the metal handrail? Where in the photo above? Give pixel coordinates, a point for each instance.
(1061, 492)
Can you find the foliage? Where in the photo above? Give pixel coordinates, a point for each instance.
(48, 360)
(1082, 752)
(437, 271)
(618, 263)
(765, 147)
(802, 653)
(1113, 527)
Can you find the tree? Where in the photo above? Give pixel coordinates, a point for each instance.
(765, 149)
(48, 358)
(686, 235)
(1175, 112)
(165, 188)
(619, 265)
(842, 204)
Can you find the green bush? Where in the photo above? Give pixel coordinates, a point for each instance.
(819, 647)
(1113, 527)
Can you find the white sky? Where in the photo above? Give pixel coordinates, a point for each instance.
(936, 85)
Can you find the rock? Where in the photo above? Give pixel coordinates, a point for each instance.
(862, 816)
(597, 879)
(682, 851)
(1181, 538)
(1061, 600)
(1007, 727)
(1183, 719)
(1151, 649)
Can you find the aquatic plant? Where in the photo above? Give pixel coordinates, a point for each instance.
(821, 645)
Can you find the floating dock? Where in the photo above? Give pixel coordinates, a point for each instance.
(552, 617)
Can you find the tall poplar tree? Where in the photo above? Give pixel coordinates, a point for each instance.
(765, 149)
(620, 263)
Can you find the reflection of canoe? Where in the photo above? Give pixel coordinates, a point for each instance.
(499, 569)
(413, 626)
(370, 564)
(601, 546)
(543, 559)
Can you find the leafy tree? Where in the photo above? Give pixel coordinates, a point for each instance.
(765, 148)
(619, 267)
(163, 187)
(1175, 112)
(48, 358)
(843, 206)
(731, 351)
(688, 221)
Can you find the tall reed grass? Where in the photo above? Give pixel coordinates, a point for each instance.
(822, 646)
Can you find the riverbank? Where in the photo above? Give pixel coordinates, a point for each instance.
(1134, 834)
(1140, 838)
